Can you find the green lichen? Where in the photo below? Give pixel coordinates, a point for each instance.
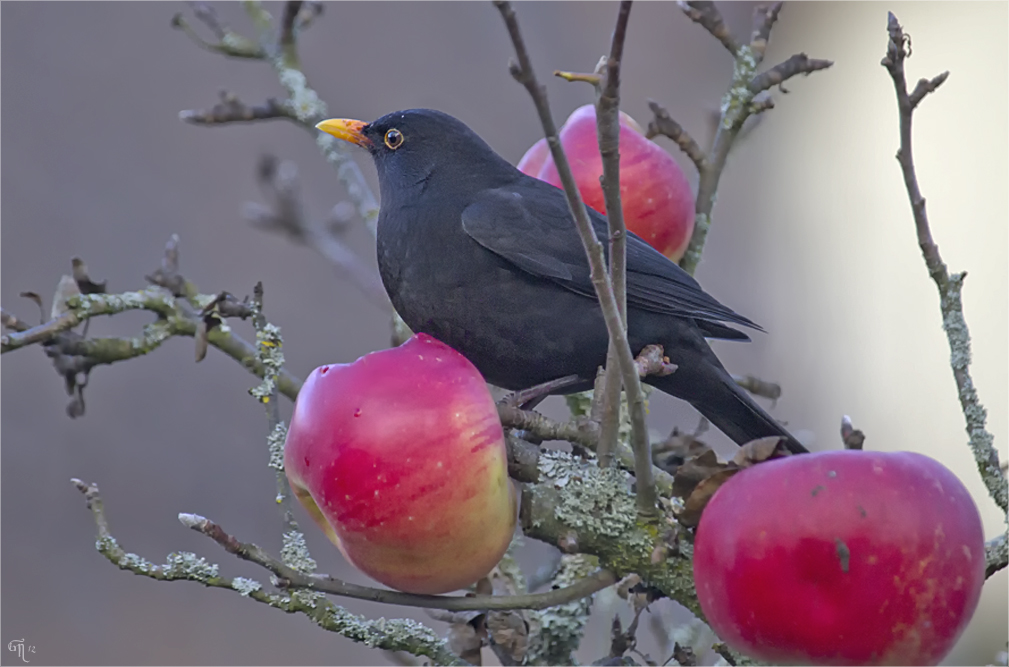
(305, 102)
(245, 586)
(269, 352)
(294, 552)
(275, 443)
(187, 565)
(737, 99)
(561, 628)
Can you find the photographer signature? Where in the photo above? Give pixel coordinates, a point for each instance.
(21, 648)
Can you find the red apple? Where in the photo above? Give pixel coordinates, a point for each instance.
(533, 160)
(400, 458)
(538, 153)
(841, 558)
(657, 200)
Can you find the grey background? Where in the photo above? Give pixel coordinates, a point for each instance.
(812, 238)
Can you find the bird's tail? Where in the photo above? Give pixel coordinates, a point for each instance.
(726, 405)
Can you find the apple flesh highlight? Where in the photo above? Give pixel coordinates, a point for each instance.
(841, 557)
(400, 458)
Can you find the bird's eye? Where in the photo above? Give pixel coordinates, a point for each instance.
(394, 139)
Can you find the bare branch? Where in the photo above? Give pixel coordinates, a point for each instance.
(229, 43)
(608, 135)
(286, 214)
(523, 73)
(180, 315)
(706, 14)
(584, 432)
(926, 86)
(996, 552)
(388, 634)
(800, 63)
(743, 99)
(949, 286)
(758, 387)
(764, 18)
(662, 123)
(232, 110)
(291, 578)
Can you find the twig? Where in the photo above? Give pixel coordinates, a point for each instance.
(800, 63)
(291, 578)
(584, 432)
(523, 73)
(232, 110)
(975, 415)
(392, 634)
(302, 100)
(179, 315)
(662, 123)
(269, 353)
(708, 16)
(758, 387)
(11, 321)
(996, 554)
(286, 214)
(739, 103)
(608, 136)
(229, 43)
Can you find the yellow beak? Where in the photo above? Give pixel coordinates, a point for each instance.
(347, 130)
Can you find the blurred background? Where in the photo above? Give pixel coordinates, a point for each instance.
(812, 238)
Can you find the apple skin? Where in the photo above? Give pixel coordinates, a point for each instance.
(841, 557)
(657, 200)
(533, 160)
(400, 458)
(538, 153)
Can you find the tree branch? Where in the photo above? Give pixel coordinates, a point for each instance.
(708, 17)
(392, 634)
(523, 73)
(949, 286)
(662, 123)
(178, 315)
(232, 110)
(304, 104)
(608, 136)
(996, 554)
(800, 63)
(739, 103)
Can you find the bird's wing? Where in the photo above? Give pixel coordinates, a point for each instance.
(532, 228)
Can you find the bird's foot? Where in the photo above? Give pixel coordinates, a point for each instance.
(527, 399)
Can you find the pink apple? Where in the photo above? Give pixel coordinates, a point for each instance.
(657, 200)
(400, 458)
(841, 558)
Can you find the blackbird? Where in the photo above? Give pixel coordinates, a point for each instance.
(488, 260)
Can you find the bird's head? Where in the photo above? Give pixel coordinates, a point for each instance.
(413, 147)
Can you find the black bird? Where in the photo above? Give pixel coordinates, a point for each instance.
(488, 260)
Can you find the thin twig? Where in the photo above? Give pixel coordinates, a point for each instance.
(739, 103)
(800, 63)
(608, 135)
(180, 313)
(291, 578)
(950, 286)
(232, 110)
(388, 634)
(584, 432)
(662, 123)
(708, 16)
(523, 73)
